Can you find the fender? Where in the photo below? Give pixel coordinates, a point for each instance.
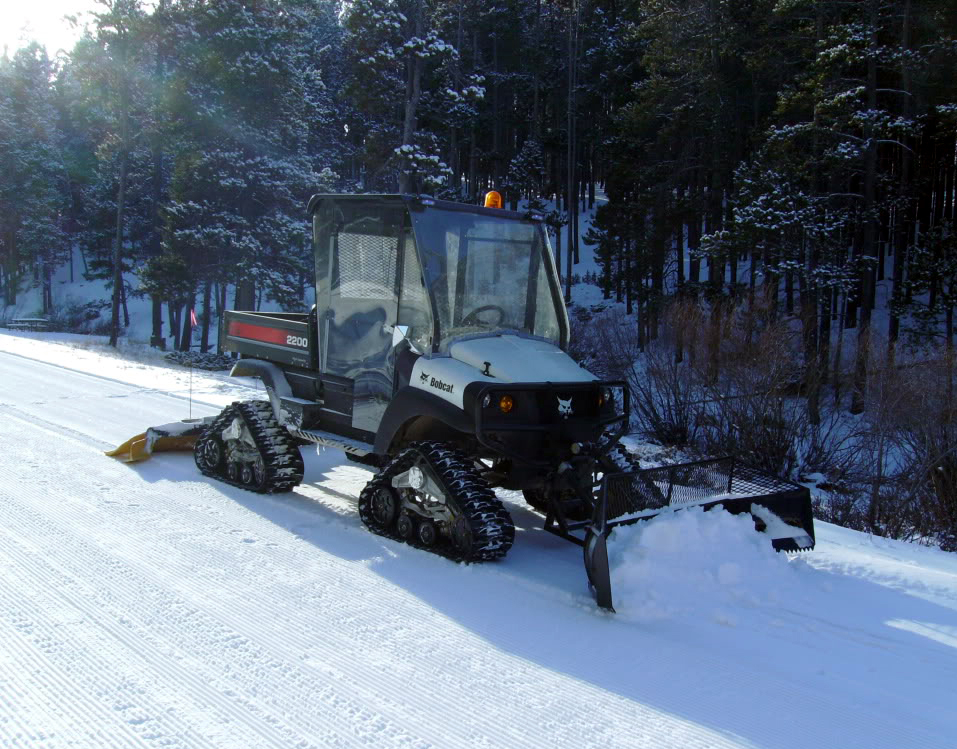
(410, 402)
(277, 386)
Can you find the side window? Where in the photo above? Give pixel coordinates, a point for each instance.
(414, 307)
(362, 297)
(366, 266)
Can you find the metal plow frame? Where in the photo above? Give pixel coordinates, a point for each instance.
(177, 436)
(780, 508)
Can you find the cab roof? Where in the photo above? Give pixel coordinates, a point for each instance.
(421, 202)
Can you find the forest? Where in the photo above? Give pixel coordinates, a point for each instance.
(776, 250)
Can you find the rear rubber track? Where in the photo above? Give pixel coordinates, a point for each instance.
(280, 454)
(467, 493)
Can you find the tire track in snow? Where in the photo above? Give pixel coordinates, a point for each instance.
(78, 437)
(69, 668)
(138, 389)
(384, 612)
(150, 619)
(103, 630)
(241, 668)
(392, 626)
(401, 632)
(390, 623)
(292, 630)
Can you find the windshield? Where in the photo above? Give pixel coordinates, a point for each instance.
(485, 274)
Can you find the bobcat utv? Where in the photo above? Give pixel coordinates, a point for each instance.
(436, 355)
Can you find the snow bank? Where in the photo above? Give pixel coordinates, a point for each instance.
(709, 565)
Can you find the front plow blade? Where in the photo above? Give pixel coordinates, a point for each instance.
(180, 435)
(596, 566)
(781, 509)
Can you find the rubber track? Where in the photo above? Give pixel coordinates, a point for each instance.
(280, 453)
(492, 528)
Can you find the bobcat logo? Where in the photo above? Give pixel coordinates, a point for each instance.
(565, 408)
(423, 378)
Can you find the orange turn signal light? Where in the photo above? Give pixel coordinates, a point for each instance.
(506, 403)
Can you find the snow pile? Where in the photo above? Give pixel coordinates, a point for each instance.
(711, 565)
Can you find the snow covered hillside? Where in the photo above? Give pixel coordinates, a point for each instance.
(148, 606)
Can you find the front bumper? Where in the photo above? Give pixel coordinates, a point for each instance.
(548, 417)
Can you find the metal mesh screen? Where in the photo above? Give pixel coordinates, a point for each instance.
(687, 484)
(367, 266)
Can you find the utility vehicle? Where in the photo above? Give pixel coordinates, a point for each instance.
(436, 354)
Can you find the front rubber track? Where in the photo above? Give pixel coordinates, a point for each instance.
(280, 453)
(467, 493)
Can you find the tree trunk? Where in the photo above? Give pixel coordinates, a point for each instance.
(207, 314)
(694, 232)
(120, 206)
(869, 236)
(157, 340)
(568, 275)
(47, 289)
(903, 215)
(571, 201)
(413, 91)
(245, 298)
(126, 309)
(187, 337)
(680, 246)
(173, 311)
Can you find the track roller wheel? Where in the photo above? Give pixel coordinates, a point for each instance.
(380, 509)
(427, 534)
(253, 474)
(404, 526)
(209, 455)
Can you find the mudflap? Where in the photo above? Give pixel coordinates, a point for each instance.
(178, 436)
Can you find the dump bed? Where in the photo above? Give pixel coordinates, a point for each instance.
(281, 337)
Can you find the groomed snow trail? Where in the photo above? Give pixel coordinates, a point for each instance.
(147, 606)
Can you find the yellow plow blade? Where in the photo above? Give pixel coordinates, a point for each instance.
(180, 435)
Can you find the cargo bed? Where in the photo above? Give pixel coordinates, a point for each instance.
(281, 337)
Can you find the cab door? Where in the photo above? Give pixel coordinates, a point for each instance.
(358, 300)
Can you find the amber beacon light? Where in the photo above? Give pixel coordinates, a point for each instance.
(493, 199)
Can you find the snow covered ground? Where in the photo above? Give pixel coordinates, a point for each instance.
(148, 606)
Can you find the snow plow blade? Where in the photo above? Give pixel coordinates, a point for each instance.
(780, 509)
(180, 435)
(596, 566)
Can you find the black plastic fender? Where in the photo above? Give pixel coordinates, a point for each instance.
(410, 403)
(277, 386)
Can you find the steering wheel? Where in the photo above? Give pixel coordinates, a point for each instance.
(472, 317)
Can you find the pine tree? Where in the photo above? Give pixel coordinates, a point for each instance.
(32, 189)
(404, 71)
(242, 171)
